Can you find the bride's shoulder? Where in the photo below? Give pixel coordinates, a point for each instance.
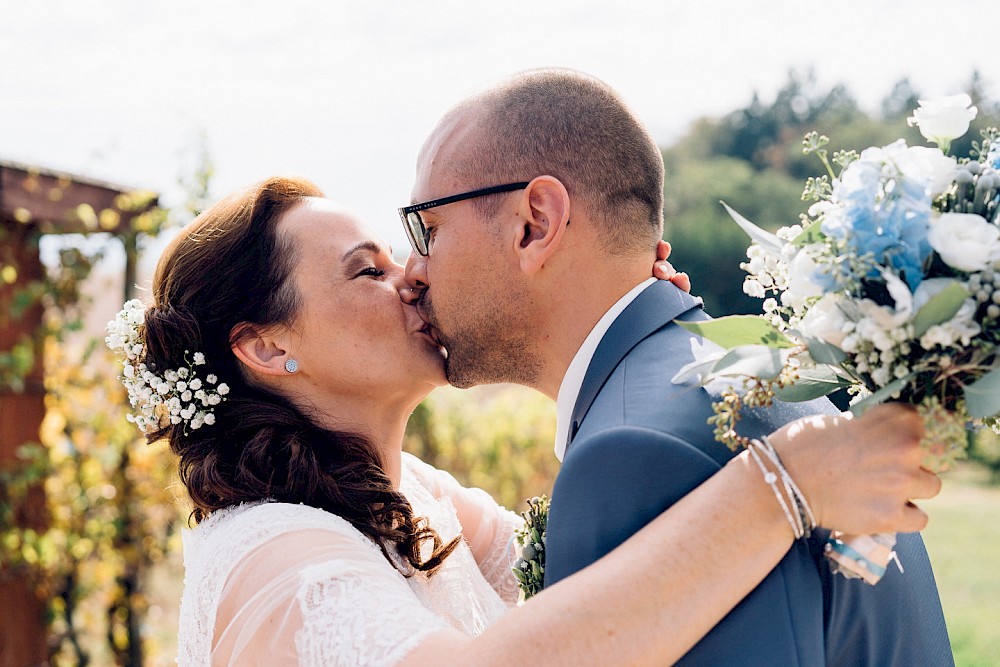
(256, 523)
(422, 471)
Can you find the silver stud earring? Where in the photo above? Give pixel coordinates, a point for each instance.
(291, 365)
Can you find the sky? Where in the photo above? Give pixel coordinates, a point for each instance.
(344, 93)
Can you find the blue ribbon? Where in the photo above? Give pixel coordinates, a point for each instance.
(845, 549)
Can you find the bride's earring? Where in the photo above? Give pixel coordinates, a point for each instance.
(291, 365)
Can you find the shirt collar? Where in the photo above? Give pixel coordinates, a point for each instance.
(572, 381)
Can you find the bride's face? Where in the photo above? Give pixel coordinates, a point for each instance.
(353, 335)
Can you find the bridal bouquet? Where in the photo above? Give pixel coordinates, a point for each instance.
(889, 287)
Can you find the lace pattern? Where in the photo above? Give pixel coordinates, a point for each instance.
(341, 599)
(496, 567)
(369, 639)
(458, 591)
(221, 541)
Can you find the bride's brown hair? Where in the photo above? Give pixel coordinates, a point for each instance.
(232, 268)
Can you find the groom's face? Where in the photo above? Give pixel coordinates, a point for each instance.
(474, 297)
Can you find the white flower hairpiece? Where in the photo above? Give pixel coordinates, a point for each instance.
(174, 397)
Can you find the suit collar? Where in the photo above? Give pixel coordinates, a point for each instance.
(656, 307)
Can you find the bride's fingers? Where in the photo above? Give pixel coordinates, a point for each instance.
(925, 484)
(663, 269)
(912, 519)
(663, 250)
(683, 281)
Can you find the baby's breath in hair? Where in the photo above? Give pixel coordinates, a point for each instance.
(177, 396)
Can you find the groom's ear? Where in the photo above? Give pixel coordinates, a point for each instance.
(545, 214)
(261, 351)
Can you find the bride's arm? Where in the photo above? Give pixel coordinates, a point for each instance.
(651, 599)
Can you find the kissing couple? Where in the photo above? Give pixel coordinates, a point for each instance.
(284, 350)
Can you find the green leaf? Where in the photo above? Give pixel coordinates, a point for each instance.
(759, 361)
(811, 234)
(882, 395)
(736, 330)
(982, 397)
(812, 383)
(940, 308)
(763, 238)
(823, 352)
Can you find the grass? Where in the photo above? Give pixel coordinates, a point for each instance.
(963, 540)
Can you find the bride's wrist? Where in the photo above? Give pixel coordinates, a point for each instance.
(759, 500)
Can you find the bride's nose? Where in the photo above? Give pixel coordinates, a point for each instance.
(410, 295)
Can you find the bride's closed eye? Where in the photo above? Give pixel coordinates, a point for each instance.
(371, 271)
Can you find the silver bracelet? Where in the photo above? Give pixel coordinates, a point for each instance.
(808, 519)
(772, 480)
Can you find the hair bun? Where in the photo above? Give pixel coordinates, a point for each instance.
(170, 332)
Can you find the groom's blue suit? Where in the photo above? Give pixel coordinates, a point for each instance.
(638, 443)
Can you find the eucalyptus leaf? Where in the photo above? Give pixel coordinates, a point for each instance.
(940, 308)
(737, 330)
(759, 361)
(812, 383)
(811, 234)
(823, 352)
(882, 395)
(763, 238)
(982, 397)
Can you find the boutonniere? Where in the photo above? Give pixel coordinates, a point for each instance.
(529, 569)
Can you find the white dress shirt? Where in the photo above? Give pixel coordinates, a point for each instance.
(572, 381)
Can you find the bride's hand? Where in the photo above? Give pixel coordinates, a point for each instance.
(860, 474)
(664, 270)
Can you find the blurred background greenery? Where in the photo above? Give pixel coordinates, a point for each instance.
(108, 563)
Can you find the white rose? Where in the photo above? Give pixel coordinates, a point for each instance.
(826, 320)
(928, 166)
(945, 118)
(965, 241)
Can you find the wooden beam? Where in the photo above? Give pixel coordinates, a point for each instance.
(58, 203)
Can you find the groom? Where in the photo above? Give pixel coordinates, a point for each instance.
(539, 210)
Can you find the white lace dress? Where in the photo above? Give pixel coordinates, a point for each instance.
(300, 586)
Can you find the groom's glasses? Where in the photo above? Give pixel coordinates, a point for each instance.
(419, 235)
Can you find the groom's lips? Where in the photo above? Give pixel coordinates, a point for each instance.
(431, 333)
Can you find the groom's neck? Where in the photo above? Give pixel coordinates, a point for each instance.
(572, 304)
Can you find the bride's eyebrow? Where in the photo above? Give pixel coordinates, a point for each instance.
(370, 246)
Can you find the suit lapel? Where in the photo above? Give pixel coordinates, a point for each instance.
(658, 305)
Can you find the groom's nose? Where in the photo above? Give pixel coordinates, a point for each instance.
(416, 271)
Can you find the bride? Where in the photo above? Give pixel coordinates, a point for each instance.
(281, 357)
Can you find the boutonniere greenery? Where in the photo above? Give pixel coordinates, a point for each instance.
(529, 569)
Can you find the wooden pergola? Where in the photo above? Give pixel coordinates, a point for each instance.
(35, 202)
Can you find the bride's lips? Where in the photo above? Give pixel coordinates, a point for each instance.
(431, 334)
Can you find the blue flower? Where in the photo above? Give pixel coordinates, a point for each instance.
(993, 156)
(884, 216)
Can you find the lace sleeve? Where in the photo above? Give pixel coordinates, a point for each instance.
(318, 598)
(487, 526)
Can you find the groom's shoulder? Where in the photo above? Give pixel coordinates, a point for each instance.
(641, 396)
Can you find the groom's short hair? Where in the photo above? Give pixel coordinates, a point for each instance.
(577, 128)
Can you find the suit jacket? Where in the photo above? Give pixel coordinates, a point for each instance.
(639, 442)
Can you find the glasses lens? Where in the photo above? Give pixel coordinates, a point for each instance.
(417, 232)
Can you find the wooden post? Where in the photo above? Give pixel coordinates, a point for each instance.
(33, 202)
(22, 629)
